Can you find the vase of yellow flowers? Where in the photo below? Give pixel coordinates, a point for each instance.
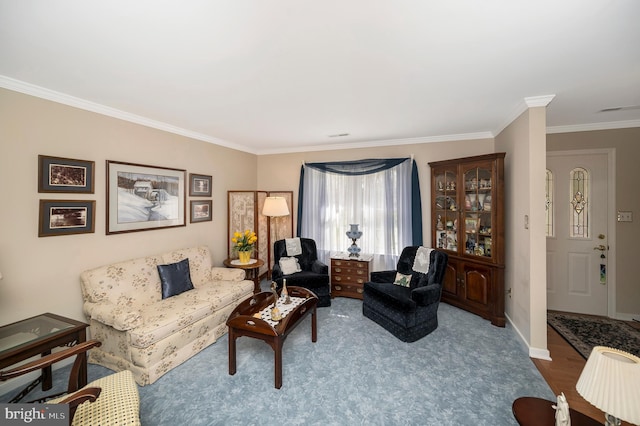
(243, 244)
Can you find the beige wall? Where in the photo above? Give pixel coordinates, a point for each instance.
(525, 273)
(627, 145)
(42, 274)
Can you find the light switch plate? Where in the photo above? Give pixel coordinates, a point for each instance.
(625, 216)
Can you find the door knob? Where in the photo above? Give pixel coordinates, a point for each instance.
(601, 247)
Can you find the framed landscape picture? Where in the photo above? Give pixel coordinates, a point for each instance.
(141, 198)
(201, 211)
(66, 217)
(199, 185)
(57, 174)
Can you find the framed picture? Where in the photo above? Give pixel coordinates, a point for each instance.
(56, 174)
(201, 211)
(66, 217)
(141, 198)
(199, 185)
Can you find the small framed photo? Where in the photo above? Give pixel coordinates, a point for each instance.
(201, 211)
(57, 174)
(66, 217)
(199, 185)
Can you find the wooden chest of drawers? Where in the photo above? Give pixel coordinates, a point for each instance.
(348, 277)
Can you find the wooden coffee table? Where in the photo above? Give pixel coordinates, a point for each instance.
(242, 322)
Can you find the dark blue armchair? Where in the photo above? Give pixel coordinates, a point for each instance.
(409, 313)
(314, 275)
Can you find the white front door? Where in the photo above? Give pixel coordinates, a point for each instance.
(577, 276)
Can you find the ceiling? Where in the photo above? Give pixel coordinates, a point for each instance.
(290, 75)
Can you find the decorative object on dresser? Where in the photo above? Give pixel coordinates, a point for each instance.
(348, 275)
(473, 235)
(354, 234)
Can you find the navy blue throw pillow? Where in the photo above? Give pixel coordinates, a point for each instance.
(175, 278)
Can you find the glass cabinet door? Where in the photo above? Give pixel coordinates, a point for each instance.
(446, 209)
(477, 211)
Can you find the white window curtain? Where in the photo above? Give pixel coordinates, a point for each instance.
(380, 202)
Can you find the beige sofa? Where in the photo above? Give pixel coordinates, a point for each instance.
(149, 335)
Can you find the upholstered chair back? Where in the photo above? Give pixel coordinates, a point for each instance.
(306, 259)
(437, 267)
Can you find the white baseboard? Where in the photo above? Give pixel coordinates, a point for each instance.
(627, 317)
(533, 352)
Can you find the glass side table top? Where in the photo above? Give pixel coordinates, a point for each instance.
(30, 330)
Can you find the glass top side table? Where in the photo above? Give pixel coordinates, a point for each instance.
(37, 336)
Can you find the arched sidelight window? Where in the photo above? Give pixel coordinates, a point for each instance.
(548, 204)
(579, 198)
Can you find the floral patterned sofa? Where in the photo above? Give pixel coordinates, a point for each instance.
(146, 334)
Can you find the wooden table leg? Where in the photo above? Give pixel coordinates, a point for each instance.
(314, 326)
(232, 352)
(278, 362)
(47, 375)
(82, 378)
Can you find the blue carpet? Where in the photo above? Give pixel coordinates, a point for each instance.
(467, 372)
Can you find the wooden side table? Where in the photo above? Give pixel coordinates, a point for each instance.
(37, 336)
(530, 411)
(253, 270)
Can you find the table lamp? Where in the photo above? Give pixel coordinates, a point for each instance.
(610, 381)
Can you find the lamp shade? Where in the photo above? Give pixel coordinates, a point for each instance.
(275, 206)
(610, 381)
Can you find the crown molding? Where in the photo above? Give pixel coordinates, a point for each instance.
(609, 125)
(528, 102)
(525, 104)
(52, 95)
(377, 143)
(538, 101)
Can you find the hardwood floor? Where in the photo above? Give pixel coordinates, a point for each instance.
(563, 371)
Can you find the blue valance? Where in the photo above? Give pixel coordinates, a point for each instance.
(358, 167)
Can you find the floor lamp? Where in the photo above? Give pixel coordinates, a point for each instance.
(274, 207)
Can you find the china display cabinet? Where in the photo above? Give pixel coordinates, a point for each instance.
(467, 217)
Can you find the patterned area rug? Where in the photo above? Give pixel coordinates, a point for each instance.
(583, 332)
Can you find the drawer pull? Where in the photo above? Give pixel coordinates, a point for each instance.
(338, 287)
(337, 262)
(337, 278)
(359, 272)
(338, 270)
(359, 290)
(360, 281)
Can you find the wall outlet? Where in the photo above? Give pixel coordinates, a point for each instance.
(625, 216)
